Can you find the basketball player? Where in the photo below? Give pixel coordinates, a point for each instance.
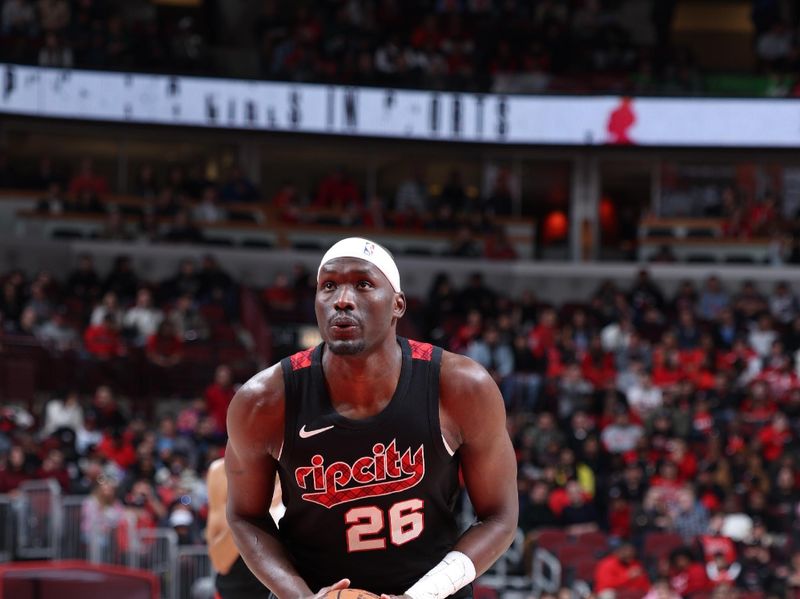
(367, 432)
(234, 580)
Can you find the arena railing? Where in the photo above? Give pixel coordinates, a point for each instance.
(71, 544)
(39, 519)
(6, 529)
(157, 552)
(546, 571)
(194, 577)
(49, 526)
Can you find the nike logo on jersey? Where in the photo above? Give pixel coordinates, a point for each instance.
(304, 434)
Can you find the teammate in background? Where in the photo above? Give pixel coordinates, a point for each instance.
(234, 580)
(367, 432)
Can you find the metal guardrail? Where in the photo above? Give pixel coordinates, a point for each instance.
(119, 546)
(38, 519)
(40, 523)
(546, 571)
(6, 529)
(194, 578)
(157, 551)
(71, 544)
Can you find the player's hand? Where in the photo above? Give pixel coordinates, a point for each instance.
(337, 586)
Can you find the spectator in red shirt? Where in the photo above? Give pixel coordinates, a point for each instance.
(53, 467)
(775, 437)
(666, 481)
(164, 347)
(218, 396)
(426, 34)
(758, 409)
(598, 364)
(714, 543)
(338, 190)
(280, 297)
(687, 576)
(117, 447)
(684, 460)
(286, 203)
(543, 335)
(670, 372)
(103, 341)
(88, 181)
(619, 517)
(620, 571)
(499, 247)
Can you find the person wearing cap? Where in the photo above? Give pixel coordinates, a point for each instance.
(368, 432)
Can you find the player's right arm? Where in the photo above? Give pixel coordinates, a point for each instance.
(255, 437)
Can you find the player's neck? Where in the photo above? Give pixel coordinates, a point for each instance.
(366, 378)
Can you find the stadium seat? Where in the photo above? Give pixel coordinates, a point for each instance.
(551, 539)
(701, 233)
(597, 541)
(131, 210)
(214, 314)
(569, 554)
(581, 569)
(307, 245)
(67, 234)
(700, 258)
(242, 216)
(740, 259)
(660, 544)
(220, 241)
(418, 251)
(257, 243)
(658, 232)
(483, 592)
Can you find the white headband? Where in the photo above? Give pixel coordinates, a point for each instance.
(364, 249)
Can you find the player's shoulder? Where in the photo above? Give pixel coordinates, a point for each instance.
(216, 473)
(256, 414)
(462, 372)
(258, 405)
(216, 465)
(263, 390)
(469, 397)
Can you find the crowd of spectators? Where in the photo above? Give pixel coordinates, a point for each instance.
(130, 35)
(743, 214)
(632, 413)
(125, 328)
(635, 413)
(478, 45)
(174, 204)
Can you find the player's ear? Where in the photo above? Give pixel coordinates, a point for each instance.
(399, 304)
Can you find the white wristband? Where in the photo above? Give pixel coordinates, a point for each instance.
(455, 571)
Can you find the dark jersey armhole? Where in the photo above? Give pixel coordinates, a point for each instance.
(434, 399)
(290, 396)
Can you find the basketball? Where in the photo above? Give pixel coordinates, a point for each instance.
(350, 594)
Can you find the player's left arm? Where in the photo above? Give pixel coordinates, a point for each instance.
(473, 420)
(472, 407)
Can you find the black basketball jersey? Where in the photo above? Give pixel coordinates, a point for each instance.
(370, 500)
(240, 583)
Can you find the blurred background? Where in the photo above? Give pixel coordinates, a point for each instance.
(598, 200)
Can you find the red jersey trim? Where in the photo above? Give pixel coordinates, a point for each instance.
(301, 359)
(421, 351)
